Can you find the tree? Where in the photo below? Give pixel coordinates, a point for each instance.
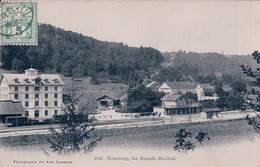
(182, 144)
(68, 52)
(142, 99)
(17, 65)
(76, 128)
(255, 122)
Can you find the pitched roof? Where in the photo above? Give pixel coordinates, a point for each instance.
(207, 86)
(150, 84)
(106, 96)
(256, 88)
(155, 86)
(22, 79)
(253, 97)
(226, 88)
(211, 110)
(114, 95)
(11, 107)
(181, 85)
(170, 97)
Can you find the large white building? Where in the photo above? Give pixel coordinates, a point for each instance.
(184, 87)
(178, 87)
(40, 94)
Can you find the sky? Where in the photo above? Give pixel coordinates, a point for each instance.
(230, 27)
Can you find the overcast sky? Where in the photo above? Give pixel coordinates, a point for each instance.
(215, 26)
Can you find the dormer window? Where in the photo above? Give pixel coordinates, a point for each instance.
(16, 80)
(38, 81)
(27, 80)
(46, 80)
(56, 80)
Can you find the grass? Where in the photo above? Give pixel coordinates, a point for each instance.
(220, 133)
(160, 136)
(91, 92)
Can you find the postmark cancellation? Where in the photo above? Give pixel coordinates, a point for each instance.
(19, 22)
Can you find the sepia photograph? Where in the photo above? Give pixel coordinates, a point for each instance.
(129, 83)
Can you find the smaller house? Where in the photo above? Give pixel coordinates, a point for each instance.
(207, 87)
(107, 102)
(206, 92)
(253, 89)
(10, 108)
(210, 113)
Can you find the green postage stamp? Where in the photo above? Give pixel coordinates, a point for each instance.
(19, 22)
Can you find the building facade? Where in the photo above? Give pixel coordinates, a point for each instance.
(107, 103)
(173, 104)
(178, 87)
(40, 94)
(202, 90)
(206, 92)
(9, 108)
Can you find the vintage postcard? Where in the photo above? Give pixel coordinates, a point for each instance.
(129, 83)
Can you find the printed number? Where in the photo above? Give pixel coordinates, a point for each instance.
(18, 30)
(99, 158)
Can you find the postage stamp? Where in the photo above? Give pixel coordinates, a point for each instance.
(19, 22)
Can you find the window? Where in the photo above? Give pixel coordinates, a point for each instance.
(55, 103)
(55, 95)
(46, 103)
(46, 95)
(55, 88)
(36, 96)
(27, 96)
(46, 88)
(16, 96)
(26, 88)
(16, 89)
(27, 113)
(46, 112)
(36, 103)
(36, 113)
(103, 103)
(55, 112)
(26, 104)
(37, 88)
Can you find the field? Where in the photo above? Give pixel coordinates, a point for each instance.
(91, 92)
(229, 139)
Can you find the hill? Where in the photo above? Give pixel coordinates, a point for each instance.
(202, 67)
(69, 53)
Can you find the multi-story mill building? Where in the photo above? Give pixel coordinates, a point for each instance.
(40, 94)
